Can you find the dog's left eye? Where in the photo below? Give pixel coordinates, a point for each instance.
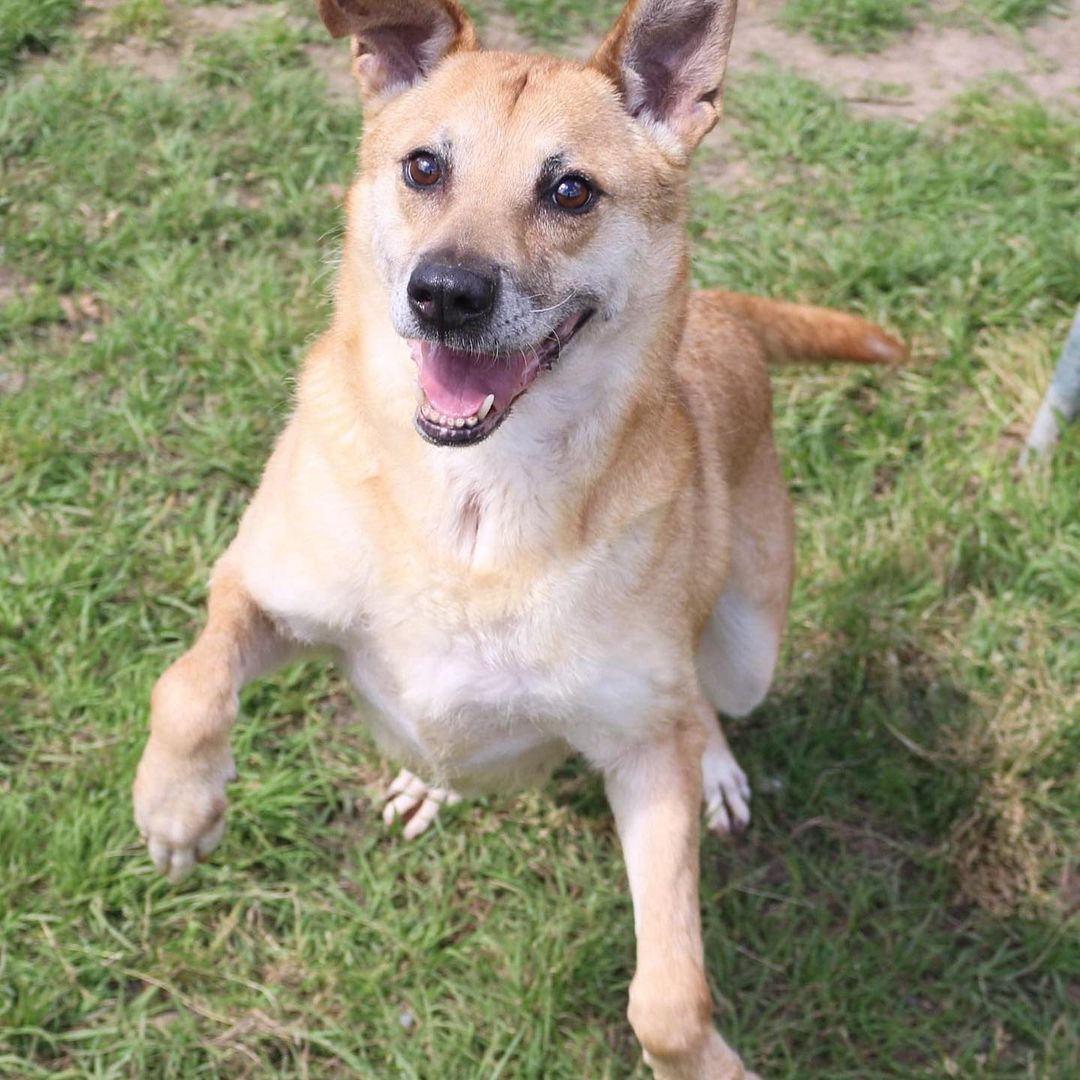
(423, 170)
(573, 193)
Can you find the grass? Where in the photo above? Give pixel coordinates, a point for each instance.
(898, 909)
(852, 25)
(143, 18)
(551, 22)
(31, 25)
(1018, 13)
(865, 26)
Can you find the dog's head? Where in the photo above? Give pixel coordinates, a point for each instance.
(514, 206)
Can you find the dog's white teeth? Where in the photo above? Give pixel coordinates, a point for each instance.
(455, 422)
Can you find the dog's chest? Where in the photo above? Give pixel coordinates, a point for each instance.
(486, 700)
(483, 669)
(482, 691)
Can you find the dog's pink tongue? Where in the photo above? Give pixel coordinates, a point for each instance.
(456, 383)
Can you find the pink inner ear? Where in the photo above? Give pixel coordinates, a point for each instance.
(398, 53)
(676, 62)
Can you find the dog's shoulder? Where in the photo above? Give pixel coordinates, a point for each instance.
(724, 379)
(719, 350)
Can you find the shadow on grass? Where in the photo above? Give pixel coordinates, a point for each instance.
(848, 741)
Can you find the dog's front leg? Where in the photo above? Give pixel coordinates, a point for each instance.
(179, 788)
(655, 793)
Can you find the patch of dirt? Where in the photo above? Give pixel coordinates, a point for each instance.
(330, 58)
(910, 80)
(97, 8)
(216, 19)
(719, 163)
(933, 64)
(500, 32)
(11, 284)
(155, 61)
(333, 61)
(583, 47)
(11, 381)
(161, 60)
(159, 63)
(913, 78)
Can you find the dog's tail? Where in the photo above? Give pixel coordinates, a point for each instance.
(798, 333)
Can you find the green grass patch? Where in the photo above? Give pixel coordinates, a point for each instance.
(555, 22)
(895, 910)
(965, 236)
(150, 19)
(233, 57)
(31, 25)
(852, 25)
(1019, 13)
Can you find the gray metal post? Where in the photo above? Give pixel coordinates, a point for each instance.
(1062, 401)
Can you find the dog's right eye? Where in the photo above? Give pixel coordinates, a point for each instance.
(422, 170)
(573, 193)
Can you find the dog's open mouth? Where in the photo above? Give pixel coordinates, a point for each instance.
(467, 395)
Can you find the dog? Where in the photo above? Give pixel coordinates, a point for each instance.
(529, 497)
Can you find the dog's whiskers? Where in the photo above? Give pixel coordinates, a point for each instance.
(565, 300)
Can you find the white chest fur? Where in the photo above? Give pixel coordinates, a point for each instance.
(478, 695)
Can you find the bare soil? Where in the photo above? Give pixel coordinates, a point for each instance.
(910, 80)
(932, 64)
(11, 284)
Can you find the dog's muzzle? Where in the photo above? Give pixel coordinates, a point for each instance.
(467, 395)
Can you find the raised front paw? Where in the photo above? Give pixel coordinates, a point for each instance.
(180, 805)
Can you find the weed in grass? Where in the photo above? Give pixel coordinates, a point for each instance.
(852, 25)
(33, 25)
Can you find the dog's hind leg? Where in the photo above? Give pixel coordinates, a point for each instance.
(725, 788)
(414, 802)
(738, 650)
(735, 662)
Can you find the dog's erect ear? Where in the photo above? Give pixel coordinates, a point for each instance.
(397, 42)
(667, 57)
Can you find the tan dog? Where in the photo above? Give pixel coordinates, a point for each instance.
(613, 564)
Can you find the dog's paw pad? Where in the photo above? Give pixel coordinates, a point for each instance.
(410, 800)
(726, 793)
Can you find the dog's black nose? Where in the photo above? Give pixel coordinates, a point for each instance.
(448, 296)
